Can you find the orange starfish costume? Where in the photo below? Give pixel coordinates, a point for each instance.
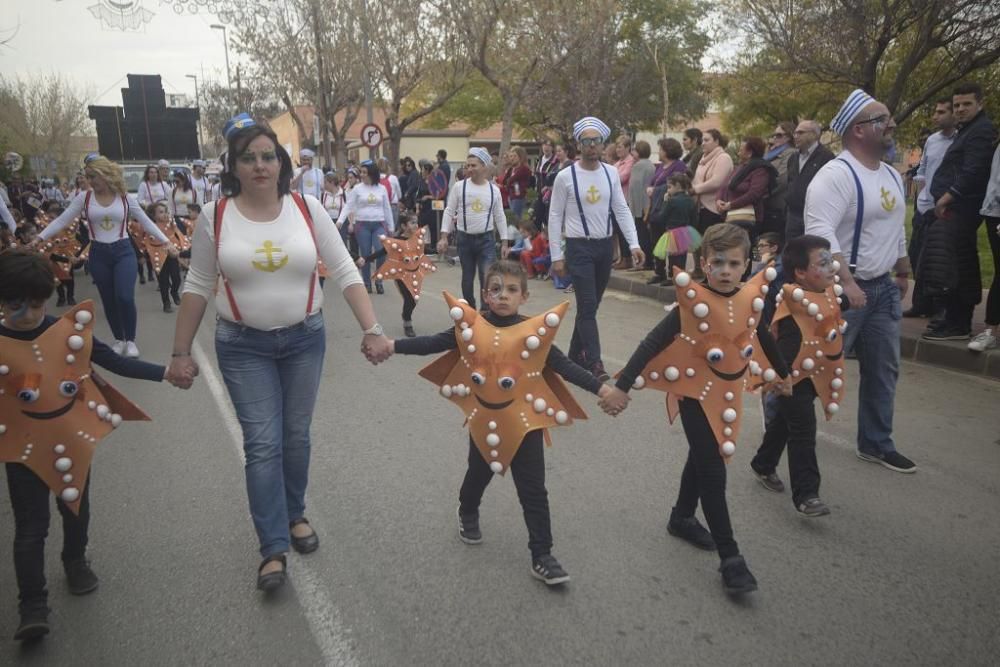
(405, 261)
(499, 379)
(54, 407)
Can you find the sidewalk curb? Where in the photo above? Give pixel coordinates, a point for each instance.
(952, 355)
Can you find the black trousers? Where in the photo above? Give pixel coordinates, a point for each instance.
(528, 469)
(794, 425)
(921, 302)
(66, 289)
(170, 278)
(408, 301)
(706, 219)
(968, 292)
(645, 241)
(29, 497)
(704, 479)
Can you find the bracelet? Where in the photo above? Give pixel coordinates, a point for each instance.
(180, 354)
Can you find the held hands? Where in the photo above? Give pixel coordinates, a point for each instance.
(181, 372)
(377, 348)
(360, 262)
(613, 400)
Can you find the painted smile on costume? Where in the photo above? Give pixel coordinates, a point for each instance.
(730, 376)
(52, 414)
(835, 357)
(493, 406)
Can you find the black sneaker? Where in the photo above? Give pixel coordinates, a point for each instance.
(546, 568)
(60, 302)
(176, 297)
(70, 301)
(770, 481)
(946, 333)
(736, 576)
(378, 288)
(80, 578)
(598, 372)
(167, 308)
(142, 279)
(691, 531)
(34, 624)
(812, 507)
(468, 528)
(893, 461)
(408, 330)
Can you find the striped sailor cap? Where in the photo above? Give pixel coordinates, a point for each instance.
(237, 123)
(852, 106)
(591, 123)
(482, 155)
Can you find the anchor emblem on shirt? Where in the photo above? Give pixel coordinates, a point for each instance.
(371, 198)
(888, 201)
(107, 224)
(593, 195)
(477, 205)
(270, 251)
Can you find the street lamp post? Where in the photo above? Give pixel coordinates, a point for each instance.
(197, 103)
(229, 80)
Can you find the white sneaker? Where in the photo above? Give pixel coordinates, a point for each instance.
(118, 347)
(984, 341)
(131, 351)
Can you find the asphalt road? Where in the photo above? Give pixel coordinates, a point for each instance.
(903, 572)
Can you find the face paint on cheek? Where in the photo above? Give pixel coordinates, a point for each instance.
(494, 290)
(826, 262)
(19, 311)
(716, 265)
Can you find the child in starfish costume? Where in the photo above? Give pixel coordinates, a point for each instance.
(166, 265)
(503, 370)
(66, 251)
(703, 354)
(809, 330)
(53, 410)
(406, 264)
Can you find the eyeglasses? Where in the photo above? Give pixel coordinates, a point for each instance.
(875, 120)
(591, 141)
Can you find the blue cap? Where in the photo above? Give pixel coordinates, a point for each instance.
(365, 163)
(237, 123)
(90, 157)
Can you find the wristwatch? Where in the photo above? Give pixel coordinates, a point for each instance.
(376, 330)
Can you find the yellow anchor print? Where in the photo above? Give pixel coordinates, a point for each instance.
(593, 195)
(888, 201)
(107, 224)
(477, 205)
(371, 198)
(270, 250)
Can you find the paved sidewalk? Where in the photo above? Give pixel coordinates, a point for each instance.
(948, 354)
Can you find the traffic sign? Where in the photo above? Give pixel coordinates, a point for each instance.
(371, 135)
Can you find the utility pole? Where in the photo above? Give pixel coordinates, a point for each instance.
(324, 108)
(225, 41)
(369, 109)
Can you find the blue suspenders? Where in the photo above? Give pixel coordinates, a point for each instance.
(465, 211)
(859, 218)
(579, 203)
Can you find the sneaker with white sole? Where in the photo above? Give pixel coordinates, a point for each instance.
(982, 342)
(131, 351)
(546, 568)
(118, 347)
(812, 507)
(893, 461)
(468, 528)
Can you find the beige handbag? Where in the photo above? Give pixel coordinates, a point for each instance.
(743, 214)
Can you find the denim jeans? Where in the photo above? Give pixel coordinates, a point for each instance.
(873, 334)
(273, 377)
(517, 208)
(476, 252)
(114, 270)
(589, 265)
(368, 234)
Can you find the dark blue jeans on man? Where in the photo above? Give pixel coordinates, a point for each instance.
(873, 334)
(475, 252)
(588, 262)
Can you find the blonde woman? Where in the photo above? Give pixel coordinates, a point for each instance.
(108, 207)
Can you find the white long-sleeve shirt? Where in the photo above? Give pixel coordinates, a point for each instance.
(269, 265)
(594, 195)
(474, 209)
(203, 187)
(368, 203)
(107, 223)
(831, 212)
(150, 193)
(308, 181)
(6, 217)
(333, 202)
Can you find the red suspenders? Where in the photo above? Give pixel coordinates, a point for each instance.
(86, 212)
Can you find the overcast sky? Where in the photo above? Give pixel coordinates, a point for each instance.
(64, 36)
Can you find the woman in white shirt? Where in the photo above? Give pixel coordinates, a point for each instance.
(369, 203)
(108, 208)
(260, 248)
(151, 188)
(332, 195)
(181, 195)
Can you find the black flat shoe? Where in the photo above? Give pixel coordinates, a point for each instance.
(378, 288)
(176, 297)
(272, 581)
(34, 624)
(304, 545)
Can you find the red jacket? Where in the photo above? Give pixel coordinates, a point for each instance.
(516, 181)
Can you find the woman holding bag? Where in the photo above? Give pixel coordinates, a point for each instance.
(261, 246)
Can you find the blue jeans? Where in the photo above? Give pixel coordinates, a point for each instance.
(476, 252)
(273, 377)
(114, 270)
(588, 263)
(368, 234)
(517, 208)
(873, 334)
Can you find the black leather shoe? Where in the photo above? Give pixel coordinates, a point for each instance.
(304, 545)
(34, 624)
(273, 580)
(80, 578)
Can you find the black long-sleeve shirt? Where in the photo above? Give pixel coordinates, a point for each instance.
(556, 360)
(100, 354)
(664, 333)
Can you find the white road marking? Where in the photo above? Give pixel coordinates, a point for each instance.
(325, 623)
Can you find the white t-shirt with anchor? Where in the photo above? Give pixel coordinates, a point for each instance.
(831, 210)
(203, 187)
(368, 203)
(310, 183)
(269, 264)
(475, 216)
(106, 222)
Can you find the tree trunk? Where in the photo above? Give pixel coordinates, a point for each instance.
(666, 99)
(295, 116)
(507, 131)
